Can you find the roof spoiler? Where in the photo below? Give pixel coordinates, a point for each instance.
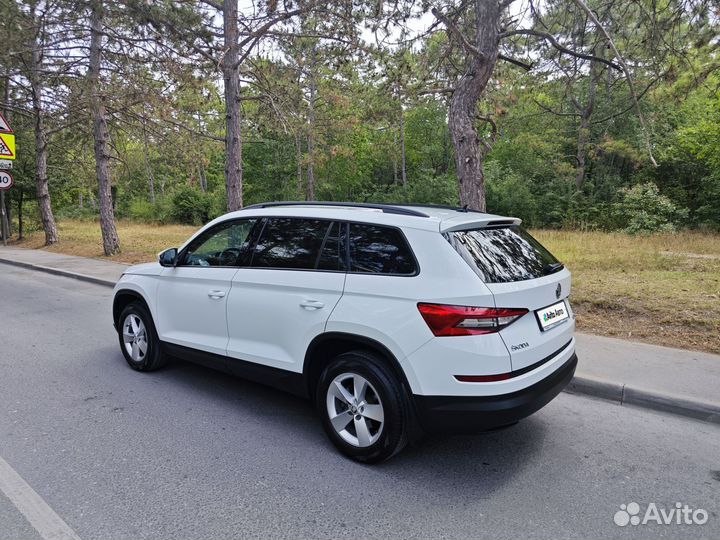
(454, 224)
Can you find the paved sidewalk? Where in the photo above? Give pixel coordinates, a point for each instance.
(93, 270)
(662, 378)
(629, 373)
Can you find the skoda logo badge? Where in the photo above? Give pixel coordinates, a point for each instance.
(558, 291)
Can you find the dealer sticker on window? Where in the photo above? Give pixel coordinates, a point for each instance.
(552, 315)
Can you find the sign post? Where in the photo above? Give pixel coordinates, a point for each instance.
(4, 217)
(7, 153)
(6, 182)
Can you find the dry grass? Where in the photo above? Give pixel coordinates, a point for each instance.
(140, 242)
(662, 289)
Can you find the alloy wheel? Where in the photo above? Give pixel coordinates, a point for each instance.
(355, 410)
(135, 337)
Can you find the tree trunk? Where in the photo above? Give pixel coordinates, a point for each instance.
(311, 130)
(148, 168)
(202, 176)
(8, 214)
(403, 171)
(111, 241)
(469, 149)
(231, 81)
(394, 156)
(41, 150)
(584, 131)
(298, 164)
(20, 214)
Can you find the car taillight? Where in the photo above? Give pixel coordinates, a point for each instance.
(446, 320)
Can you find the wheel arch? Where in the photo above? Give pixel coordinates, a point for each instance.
(328, 345)
(124, 297)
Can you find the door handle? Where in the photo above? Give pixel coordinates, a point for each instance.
(311, 305)
(216, 295)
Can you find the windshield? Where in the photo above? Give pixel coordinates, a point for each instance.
(503, 254)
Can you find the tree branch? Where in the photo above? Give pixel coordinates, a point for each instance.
(212, 4)
(487, 144)
(519, 63)
(551, 39)
(582, 5)
(457, 34)
(447, 90)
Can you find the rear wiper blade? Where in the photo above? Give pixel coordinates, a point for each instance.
(553, 267)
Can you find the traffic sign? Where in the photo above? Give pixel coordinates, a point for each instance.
(7, 146)
(6, 180)
(4, 126)
(5, 164)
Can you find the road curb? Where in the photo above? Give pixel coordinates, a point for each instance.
(59, 272)
(610, 391)
(700, 410)
(619, 393)
(622, 394)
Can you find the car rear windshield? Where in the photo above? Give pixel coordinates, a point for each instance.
(503, 254)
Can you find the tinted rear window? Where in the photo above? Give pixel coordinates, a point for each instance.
(290, 243)
(380, 250)
(505, 254)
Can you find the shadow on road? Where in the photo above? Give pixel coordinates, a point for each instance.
(467, 465)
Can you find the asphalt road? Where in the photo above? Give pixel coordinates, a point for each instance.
(190, 453)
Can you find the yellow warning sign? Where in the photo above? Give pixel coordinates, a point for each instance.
(7, 146)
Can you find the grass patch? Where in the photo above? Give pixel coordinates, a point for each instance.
(140, 242)
(662, 289)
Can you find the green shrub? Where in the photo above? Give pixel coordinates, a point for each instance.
(643, 209)
(191, 206)
(509, 195)
(86, 213)
(144, 211)
(422, 189)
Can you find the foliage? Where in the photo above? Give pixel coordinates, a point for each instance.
(191, 206)
(372, 104)
(644, 210)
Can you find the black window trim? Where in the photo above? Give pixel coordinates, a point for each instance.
(322, 247)
(212, 230)
(260, 227)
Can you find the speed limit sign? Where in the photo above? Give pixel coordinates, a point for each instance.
(6, 180)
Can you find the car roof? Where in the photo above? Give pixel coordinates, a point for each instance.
(416, 216)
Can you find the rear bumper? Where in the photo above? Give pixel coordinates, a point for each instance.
(467, 414)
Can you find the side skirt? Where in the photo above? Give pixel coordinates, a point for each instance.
(287, 381)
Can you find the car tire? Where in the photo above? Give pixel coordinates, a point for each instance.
(138, 339)
(363, 407)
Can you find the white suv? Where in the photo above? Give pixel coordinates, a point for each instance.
(395, 320)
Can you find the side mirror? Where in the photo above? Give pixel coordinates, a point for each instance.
(168, 257)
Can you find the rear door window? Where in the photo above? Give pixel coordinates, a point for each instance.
(503, 254)
(292, 243)
(380, 250)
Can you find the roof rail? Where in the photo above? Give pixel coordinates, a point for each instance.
(386, 208)
(442, 207)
